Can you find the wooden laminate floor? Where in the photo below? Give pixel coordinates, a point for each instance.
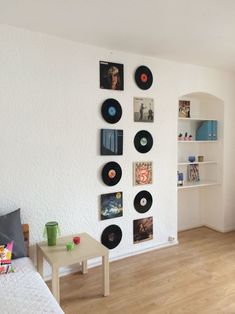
(197, 276)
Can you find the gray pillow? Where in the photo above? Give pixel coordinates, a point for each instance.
(11, 229)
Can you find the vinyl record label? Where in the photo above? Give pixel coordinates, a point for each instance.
(111, 173)
(143, 141)
(143, 201)
(111, 236)
(143, 77)
(111, 110)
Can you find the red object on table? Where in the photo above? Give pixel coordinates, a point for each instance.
(76, 240)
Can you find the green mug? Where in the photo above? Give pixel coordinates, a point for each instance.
(51, 231)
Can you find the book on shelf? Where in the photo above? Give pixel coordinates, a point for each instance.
(193, 173)
(184, 109)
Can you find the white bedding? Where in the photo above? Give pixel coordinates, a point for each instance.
(24, 291)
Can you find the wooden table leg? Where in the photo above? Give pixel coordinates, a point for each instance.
(56, 284)
(84, 267)
(39, 261)
(105, 262)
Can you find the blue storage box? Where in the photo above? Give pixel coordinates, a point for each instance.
(207, 131)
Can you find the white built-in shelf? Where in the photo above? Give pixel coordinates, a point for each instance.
(210, 141)
(190, 185)
(194, 119)
(196, 162)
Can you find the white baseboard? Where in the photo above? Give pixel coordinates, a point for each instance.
(226, 229)
(190, 227)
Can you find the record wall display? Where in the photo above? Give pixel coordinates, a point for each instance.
(111, 236)
(143, 201)
(111, 110)
(111, 173)
(143, 77)
(143, 141)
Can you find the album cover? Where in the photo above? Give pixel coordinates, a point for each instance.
(111, 142)
(142, 229)
(111, 205)
(143, 109)
(184, 109)
(111, 75)
(143, 173)
(193, 173)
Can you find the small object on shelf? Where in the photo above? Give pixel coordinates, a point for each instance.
(185, 136)
(180, 137)
(190, 137)
(191, 158)
(184, 109)
(69, 246)
(200, 158)
(193, 173)
(76, 240)
(180, 179)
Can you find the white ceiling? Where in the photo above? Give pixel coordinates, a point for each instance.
(192, 31)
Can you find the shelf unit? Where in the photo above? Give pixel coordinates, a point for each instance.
(199, 202)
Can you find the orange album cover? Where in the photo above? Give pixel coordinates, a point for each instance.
(143, 173)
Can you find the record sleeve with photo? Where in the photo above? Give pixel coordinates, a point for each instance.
(111, 75)
(143, 109)
(142, 229)
(143, 172)
(111, 142)
(184, 109)
(111, 205)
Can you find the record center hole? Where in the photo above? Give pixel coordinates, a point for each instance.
(111, 237)
(143, 141)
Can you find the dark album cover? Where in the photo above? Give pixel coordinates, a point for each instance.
(142, 229)
(143, 109)
(111, 142)
(111, 205)
(111, 75)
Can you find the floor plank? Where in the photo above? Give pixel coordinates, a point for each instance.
(197, 276)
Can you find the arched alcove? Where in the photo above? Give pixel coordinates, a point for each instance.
(200, 196)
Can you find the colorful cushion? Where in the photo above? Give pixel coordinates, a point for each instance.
(11, 230)
(5, 258)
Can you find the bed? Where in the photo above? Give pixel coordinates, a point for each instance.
(24, 291)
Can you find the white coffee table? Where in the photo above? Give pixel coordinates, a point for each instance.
(57, 256)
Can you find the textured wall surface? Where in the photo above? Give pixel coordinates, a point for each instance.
(49, 135)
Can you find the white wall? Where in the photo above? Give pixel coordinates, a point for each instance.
(49, 135)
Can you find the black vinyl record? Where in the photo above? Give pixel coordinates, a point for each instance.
(111, 236)
(111, 110)
(143, 77)
(143, 141)
(111, 173)
(143, 201)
